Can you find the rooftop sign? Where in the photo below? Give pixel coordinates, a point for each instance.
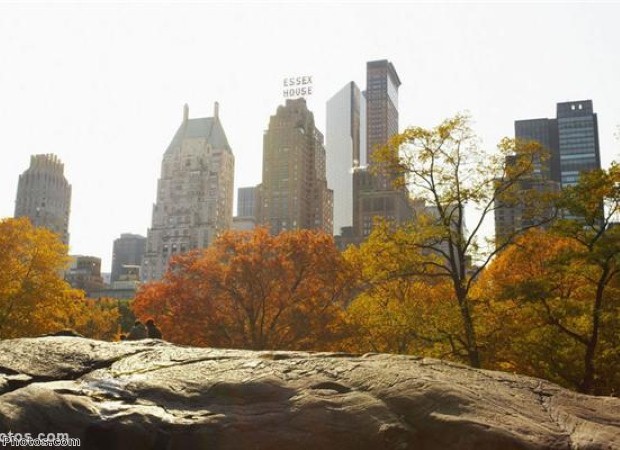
(297, 86)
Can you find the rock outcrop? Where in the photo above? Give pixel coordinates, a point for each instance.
(153, 395)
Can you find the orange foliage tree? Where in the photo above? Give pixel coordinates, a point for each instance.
(545, 291)
(252, 290)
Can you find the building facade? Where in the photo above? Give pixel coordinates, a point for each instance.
(294, 193)
(344, 150)
(246, 201)
(194, 193)
(374, 195)
(382, 83)
(44, 195)
(572, 146)
(85, 273)
(578, 144)
(128, 250)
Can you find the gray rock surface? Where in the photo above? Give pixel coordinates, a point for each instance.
(153, 395)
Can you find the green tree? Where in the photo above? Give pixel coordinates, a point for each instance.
(446, 168)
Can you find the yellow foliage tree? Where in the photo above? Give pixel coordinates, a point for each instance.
(396, 313)
(34, 299)
(446, 168)
(96, 318)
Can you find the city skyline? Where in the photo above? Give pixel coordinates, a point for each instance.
(101, 86)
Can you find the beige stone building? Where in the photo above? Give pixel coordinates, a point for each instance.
(194, 193)
(44, 195)
(294, 192)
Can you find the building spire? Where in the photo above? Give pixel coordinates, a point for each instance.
(216, 110)
(185, 112)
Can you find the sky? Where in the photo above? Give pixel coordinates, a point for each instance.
(102, 85)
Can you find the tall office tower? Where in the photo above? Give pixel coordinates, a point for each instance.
(128, 250)
(343, 150)
(578, 145)
(294, 192)
(571, 141)
(44, 195)
(194, 194)
(382, 85)
(374, 195)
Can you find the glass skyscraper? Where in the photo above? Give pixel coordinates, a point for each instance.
(578, 146)
(571, 140)
(343, 149)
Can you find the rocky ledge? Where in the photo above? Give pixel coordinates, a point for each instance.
(154, 395)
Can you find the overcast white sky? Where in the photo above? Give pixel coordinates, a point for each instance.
(103, 85)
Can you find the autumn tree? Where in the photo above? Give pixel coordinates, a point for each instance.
(34, 299)
(396, 314)
(95, 318)
(447, 169)
(252, 290)
(546, 289)
(591, 208)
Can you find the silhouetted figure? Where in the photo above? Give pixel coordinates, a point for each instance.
(152, 331)
(137, 332)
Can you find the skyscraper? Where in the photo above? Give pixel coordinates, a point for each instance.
(578, 145)
(343, 149)
(571, 141)
(294, 192)
(194, 194)
(127, 250)
(44, 195)
(374, 195)
(382, 83)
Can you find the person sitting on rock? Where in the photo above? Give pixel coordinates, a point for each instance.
(137, 332)
(152, 331)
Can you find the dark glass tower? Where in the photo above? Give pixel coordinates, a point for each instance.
(571, 140)
(578, 146)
